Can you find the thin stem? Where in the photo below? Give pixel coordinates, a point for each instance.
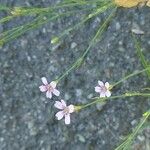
(8, 18)
(14, 33)
(127, 142)
(93, 42)
(95, 13)
(130, 75)
(141, 55)
(114, 97)
(76, 4)
(98, 99)
(4, 8)
(36, 10)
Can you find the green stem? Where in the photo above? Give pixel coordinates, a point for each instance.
(78, 4)
(129, 76)
(4, 8)
(128, 141)
(98, 99)
(115, 97)
(93, 42)
(141, 55)
(35, 10)
(95, 13)
(14, 33)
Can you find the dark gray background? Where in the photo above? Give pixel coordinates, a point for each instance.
(27, 119)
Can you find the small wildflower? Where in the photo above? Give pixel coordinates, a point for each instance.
(65, 111)
(103, 89)
(49, 88)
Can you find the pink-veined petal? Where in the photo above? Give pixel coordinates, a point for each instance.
(44, 80)
(63, 103)
(56, 92)
(71, 108)
(100, 83)
(59, 115)
(108, 93)
(42, 88)
(102, 94)
(58, 105)
(97, 89)
(53, 84)
(107, 85)
(48, 94)
(67, 119)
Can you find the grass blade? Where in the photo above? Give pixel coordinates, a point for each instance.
(141, 55)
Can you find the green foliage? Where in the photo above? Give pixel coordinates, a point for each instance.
(76, 26)
(4, 8)
(45, 15)
(131, 75)
(98, 35)
(37, 22)
(126, 145)
(144, 62)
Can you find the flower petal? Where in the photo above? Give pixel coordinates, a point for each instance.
(108, 93)
(102, 94)
(100, 83)
(48, 94)
(59, 115)
(97, 89)
(63, 103)
(107, 85)
(42, 88)
(53, 84)
(58, 105)
(56, 92)
(71, 108)
(67, 119)
(44, 80)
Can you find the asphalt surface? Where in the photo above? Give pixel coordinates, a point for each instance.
(27, 117)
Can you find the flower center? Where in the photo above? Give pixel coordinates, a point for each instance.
(66, 110)
(103, 89)
(50, 88)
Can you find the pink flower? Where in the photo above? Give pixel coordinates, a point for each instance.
(103, 89)
(65, 111)
(49, 88)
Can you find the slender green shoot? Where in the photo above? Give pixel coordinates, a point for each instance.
(23, 11)
(141, 55)
(126, 145)
(128, 94)
(130, 75)
(6, 19)
(79, 61)
(4, 8)
(37, 22)
(91, 15)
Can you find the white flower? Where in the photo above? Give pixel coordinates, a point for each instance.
(65, 111)
(103, 89)
(49, 88)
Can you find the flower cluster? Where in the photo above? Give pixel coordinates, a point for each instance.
(50, 88)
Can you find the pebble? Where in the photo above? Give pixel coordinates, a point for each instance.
(73, 45)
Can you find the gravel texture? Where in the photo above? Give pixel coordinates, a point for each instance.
(27, 118)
